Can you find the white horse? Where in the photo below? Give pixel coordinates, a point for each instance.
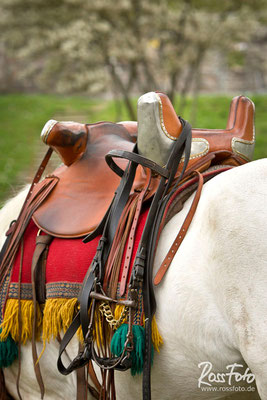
(211, 305)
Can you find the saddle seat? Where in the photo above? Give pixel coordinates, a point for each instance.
(86, 184)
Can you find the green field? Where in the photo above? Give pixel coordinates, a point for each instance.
(23, 116)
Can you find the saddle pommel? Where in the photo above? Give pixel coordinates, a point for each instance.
(158, 126)
(68, 139)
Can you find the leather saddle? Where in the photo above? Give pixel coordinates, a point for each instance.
(86, 184)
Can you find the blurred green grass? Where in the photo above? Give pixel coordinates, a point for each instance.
(23, 116)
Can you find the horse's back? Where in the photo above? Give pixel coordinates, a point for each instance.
(211, 302)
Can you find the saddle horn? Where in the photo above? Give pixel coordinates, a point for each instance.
(68, 139)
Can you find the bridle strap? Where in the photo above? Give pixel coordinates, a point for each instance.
(181, 234)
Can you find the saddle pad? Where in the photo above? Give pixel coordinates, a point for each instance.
(67, 263)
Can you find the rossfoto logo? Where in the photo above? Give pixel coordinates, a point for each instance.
(230, 381)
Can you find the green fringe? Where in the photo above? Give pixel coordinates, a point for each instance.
(137, 355)
(8, 352)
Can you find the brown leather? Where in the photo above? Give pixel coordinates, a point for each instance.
(181, 234)
(131, 236)
(38, 195)
(240, 125)
(35, 196)
(170, 118)
(86, 187)
(130, 126)
(68, 139)
(117, 248)
(93, 376)
(42, 242)
(81, 385)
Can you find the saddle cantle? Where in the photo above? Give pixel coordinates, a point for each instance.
(86, 186)
(159, 129)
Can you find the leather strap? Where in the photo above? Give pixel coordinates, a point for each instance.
(93, 376)
(137, 158)
(181, 234)
(63, 344)
(81, 386)
(118, 241)
(42, 242)
(130, 243)
(11, 243)
(37, 197)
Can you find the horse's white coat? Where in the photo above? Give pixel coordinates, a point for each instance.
(212, 304)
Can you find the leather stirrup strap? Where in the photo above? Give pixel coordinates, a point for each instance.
(81, 385)
(42, 242)
(93, 376)
(181, 234)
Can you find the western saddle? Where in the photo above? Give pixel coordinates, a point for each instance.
(83, 198)
(86, 183)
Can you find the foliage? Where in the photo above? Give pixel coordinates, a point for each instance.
(127, 46)
(22, 118)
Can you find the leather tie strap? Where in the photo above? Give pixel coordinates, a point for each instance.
(13, 226)
(181, 235)
(132, 235)
(42, 242)
(81, 384)
(34, 201)
(136, 158)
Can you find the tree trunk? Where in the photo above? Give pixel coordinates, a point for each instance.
(122, 89)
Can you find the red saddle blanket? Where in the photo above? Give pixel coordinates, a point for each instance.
(67, 263)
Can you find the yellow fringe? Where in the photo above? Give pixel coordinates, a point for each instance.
(98, 331)
(117, 313)
(156, 336)
(57, 316)
(10, 324)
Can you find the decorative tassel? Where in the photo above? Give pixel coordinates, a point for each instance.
(137, 355)
(156, 336)
(58, 315)
(10, 324)
(8, 352)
